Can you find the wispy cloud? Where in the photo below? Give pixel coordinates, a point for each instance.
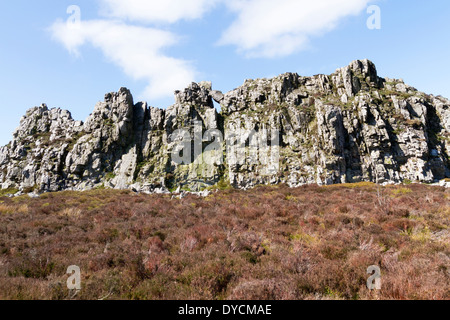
(149, 11)
(262, 28)
(267, 28)
(138, 51)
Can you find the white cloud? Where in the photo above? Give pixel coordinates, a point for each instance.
(138, 51)
(150, 11)
(263, 28)
(268, 28)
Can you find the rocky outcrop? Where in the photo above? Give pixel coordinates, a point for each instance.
(350, 126)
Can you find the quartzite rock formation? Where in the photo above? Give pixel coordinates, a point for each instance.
(350, 126)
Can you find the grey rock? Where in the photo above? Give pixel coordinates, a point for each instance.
(349, 126)
(218, 96)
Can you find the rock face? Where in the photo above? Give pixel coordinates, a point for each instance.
(350, 126)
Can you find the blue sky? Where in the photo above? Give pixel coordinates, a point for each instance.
(156, 47)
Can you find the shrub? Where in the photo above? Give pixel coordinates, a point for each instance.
(266, 243)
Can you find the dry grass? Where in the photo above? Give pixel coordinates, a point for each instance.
(10, 209)
(268, 243)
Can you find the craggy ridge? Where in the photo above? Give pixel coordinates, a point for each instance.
(350, 126)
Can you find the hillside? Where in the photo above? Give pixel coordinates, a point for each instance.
(266, 243)
(305, 182)
(347, 127)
